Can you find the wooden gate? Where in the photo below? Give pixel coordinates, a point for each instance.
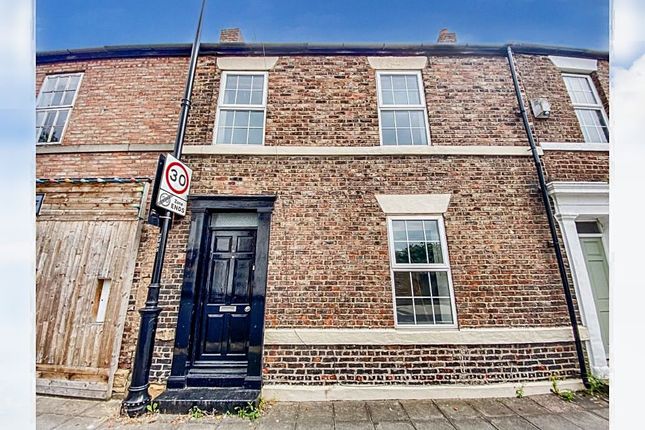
(87, 237)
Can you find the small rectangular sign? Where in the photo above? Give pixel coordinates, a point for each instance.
(174, 186)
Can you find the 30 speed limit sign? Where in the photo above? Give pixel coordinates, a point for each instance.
(174, 186)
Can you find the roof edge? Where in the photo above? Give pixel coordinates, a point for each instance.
(274, 49)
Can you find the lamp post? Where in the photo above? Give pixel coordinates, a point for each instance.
(138, 397)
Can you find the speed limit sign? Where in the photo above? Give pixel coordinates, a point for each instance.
(174, 186)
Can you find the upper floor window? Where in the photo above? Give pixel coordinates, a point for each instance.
(241, 110)
(589, 110)
(54, 105)
(421, 272)
(402, 108)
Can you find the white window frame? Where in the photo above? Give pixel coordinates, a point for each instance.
(421, 107)
(59, 107)
(417, 267)
(221, 105)
(588, 106)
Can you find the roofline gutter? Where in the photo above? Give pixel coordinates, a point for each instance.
(309, 49)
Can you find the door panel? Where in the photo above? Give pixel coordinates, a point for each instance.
(223, 329)
(598, 271)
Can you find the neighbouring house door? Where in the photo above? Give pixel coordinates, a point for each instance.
(222, 329)
(597, 268)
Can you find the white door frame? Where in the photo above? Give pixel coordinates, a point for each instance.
(584, 201)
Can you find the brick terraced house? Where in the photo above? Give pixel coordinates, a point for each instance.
(365, 221)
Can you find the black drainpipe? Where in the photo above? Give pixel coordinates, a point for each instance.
(549, 215)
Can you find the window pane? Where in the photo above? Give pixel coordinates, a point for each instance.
(257, 119)
(439, 281)
(73, 82)
(239, 136)
(416, 119)
(56, 134)
(389, 136)
(231, 82)
(40, 117)
(45, 99)
(62, 117)
(61, 84)
(256, 97)
(431, 230)
(229, 97)
(398, 82)
(400, 97)
(401, 252)
(419, 136)
(43, 134)
(387, 118)
(418, 253)
(404, 311)
(50, 83)
(404, 136)
(387, 97)
(398, 230)
(258, 82)
(226, 117)
(241, 118)
(402, 284)
(415, 230)
(442, 311)
(411, 81)
(49, 119)
(57, 99)
(434, 252)
(386, 82)
(244, 82)
(402, 119)
(243, 97)
(68, 97)
(224, 135)
(255, 136)
(423, 308)
(420, 284)
(587, 227)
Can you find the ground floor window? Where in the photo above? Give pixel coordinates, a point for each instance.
(421, 279)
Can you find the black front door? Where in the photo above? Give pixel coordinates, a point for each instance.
(222, 328)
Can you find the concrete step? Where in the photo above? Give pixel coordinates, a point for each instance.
(179, 401)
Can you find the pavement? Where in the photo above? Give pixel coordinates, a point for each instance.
(543, 412)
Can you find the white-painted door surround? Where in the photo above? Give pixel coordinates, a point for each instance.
(575, 202)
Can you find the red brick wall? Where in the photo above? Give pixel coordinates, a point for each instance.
(417, 365)
(123, 100)
(589, 166)
(83, 165)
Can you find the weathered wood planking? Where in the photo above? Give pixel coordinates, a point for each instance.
(76, 247)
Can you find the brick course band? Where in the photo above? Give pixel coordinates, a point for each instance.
(414, 365)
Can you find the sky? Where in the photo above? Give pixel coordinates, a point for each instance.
(66, 24)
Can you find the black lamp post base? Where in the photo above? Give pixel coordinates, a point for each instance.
(136, 402)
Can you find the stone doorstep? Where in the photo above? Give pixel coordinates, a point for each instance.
(179, 401)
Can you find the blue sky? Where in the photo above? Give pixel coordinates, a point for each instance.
(62, 24)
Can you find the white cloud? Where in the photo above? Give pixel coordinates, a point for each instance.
(628, 39)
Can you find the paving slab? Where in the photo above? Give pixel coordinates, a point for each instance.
(275, 425)
(354, 425)
(314, 425)
(196, 426)
(65, 405)
(525, 406)
(472, 424)
(316, 410)
(386, 410)
(421, 410)
(394, 425)
(491, 407)
(281, 413)
(85, 423)
(556, 404)
(591, 402)
(512, 423)
(603, 412)
(587, 420)
(434, 424)
(101, 409)
(237, 424)
(551, 422)
(50, 421)
(456, 409)
(350, 411)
